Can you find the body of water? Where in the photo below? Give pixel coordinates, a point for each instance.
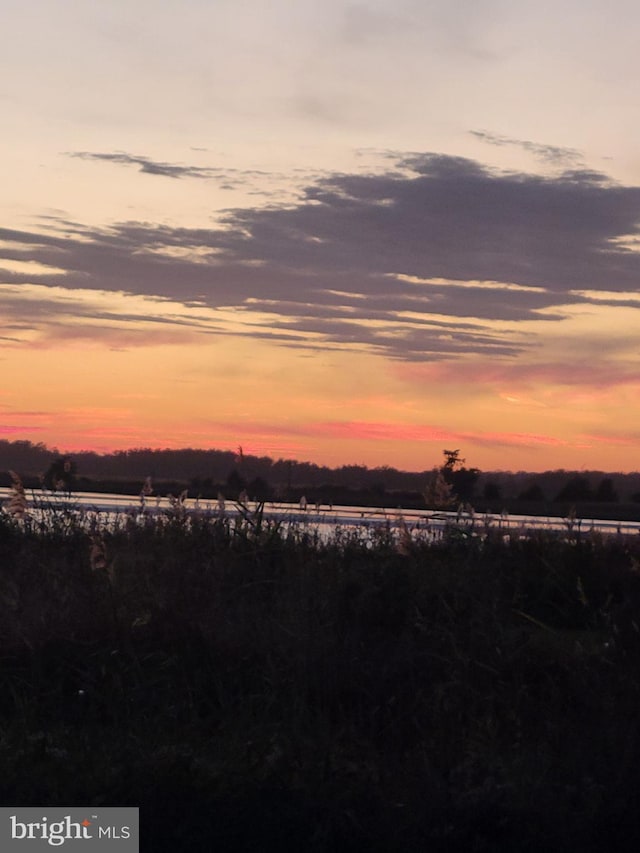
(326, 517)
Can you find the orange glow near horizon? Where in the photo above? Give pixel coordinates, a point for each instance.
(331, 407)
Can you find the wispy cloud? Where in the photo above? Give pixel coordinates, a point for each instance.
(428, 433)
(554, 154)
(524, 374)
(18, 429)
(147, 165)
(360, 432)
(256, 181)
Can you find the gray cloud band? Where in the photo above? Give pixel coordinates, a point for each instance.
(414, 262)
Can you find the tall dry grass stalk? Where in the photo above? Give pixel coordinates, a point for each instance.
(145, 492)
(438, 493)
(99, 558)
(178, 506)
(404, 541)
(98, 554)
(16, 505)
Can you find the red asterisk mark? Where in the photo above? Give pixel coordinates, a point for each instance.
(86, 822)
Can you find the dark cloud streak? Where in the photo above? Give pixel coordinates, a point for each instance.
(359, 250)
(147, 165)
(554, 154)
(231, 178)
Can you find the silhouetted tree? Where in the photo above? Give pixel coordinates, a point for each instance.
(532, 493)
(461, 479)
(452, 461)
(235, 484)
(259, 489)
(605, 491)
(61, 475)
(438, 493)
(452, 483)
(576, 489)
(492, 491)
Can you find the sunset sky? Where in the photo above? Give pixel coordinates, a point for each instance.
(342, 232)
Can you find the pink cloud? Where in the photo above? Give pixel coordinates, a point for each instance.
(18, 428)
(513, 439)
(376, 431)
(379, 431)
(363, 431)
(620, 439)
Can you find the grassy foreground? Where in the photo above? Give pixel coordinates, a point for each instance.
(253, 690)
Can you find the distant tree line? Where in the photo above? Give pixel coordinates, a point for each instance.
(205, 472)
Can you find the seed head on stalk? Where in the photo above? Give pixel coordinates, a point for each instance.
(16, 506)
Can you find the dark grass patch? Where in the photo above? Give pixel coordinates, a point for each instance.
(251, 689)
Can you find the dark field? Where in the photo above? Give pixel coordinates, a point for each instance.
(256, 690)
